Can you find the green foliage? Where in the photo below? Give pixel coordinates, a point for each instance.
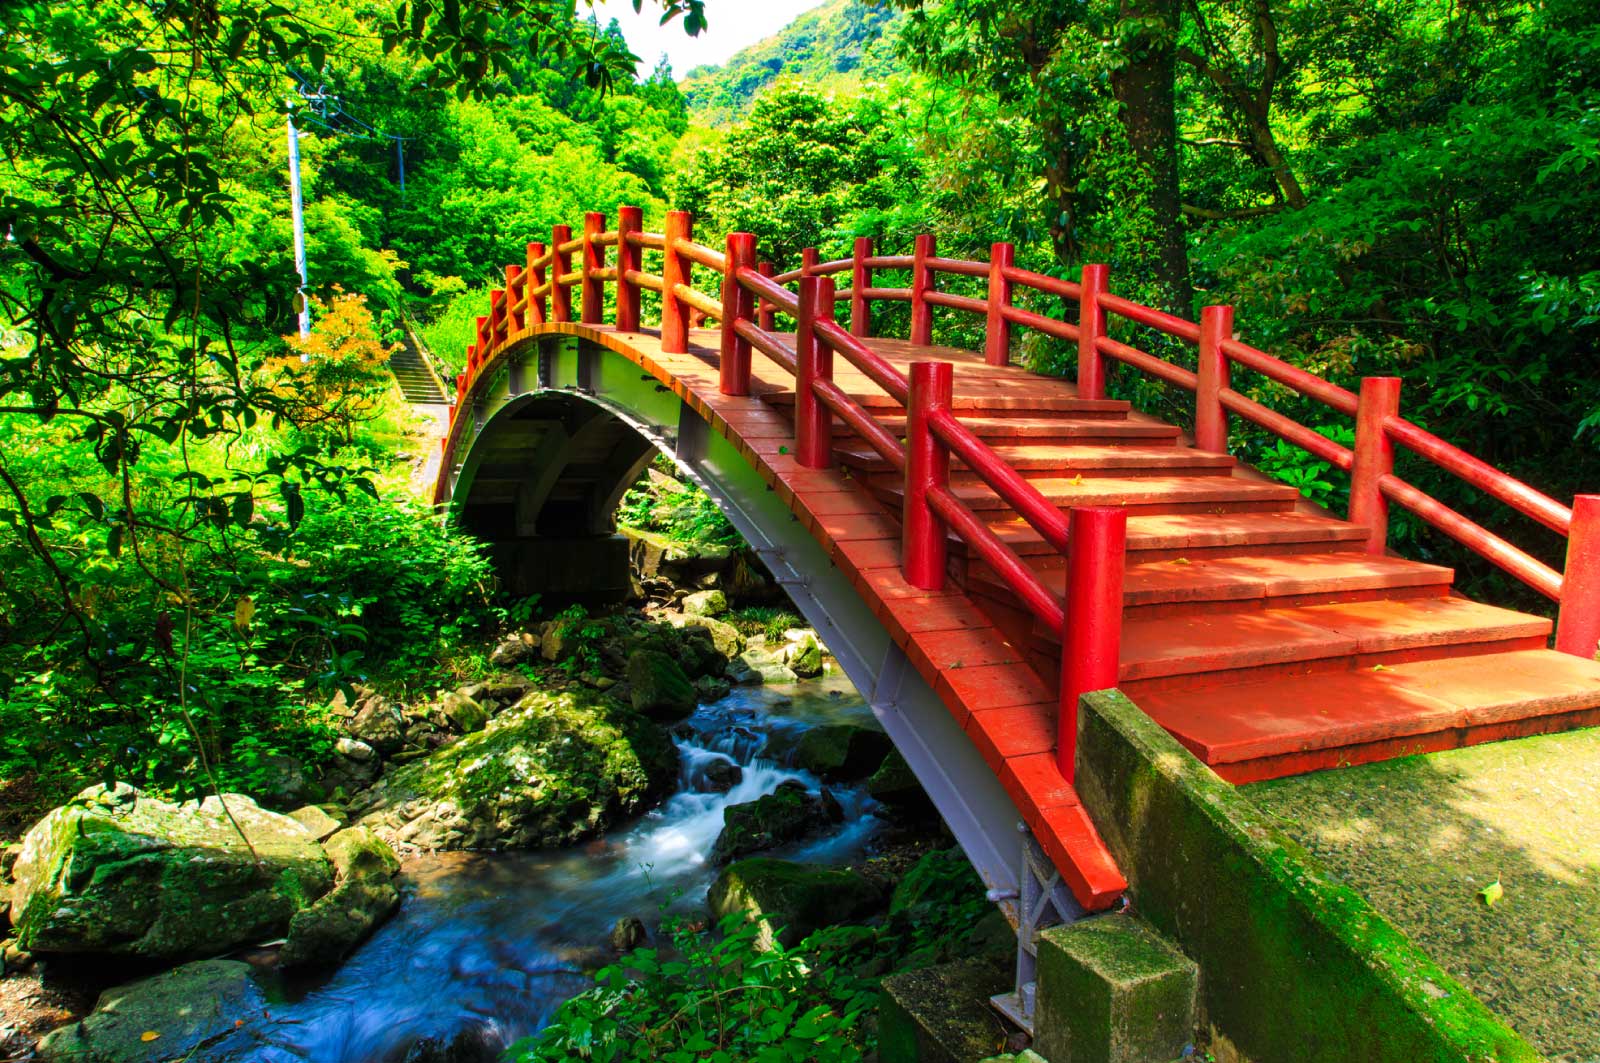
(722, 997)
(769, 620)
(678, 510)
(835, 49)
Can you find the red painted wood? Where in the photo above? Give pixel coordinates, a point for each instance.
(675, 270)
(1094, 285)
(1091, 638)
(514, 296)
(860, 281)
(560, 266)
(1374, 458)
(1210, 419)
(1578, 630)
(927, 468)
(997, 329)
(766, 314)
(921, 283)
(535, 275)
(594, 260)
(497, 315)
(630, 220)
(738, 304)
(813, 362)
(808, 261)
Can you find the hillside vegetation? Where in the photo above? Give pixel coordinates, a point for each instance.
(837, 47)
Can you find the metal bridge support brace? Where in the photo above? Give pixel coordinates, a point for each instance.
(1043, 901)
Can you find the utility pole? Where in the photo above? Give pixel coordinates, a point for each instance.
(299, 224)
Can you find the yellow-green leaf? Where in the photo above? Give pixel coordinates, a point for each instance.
(1491, 893)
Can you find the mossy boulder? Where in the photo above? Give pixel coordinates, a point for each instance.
(787, 814)
(363, 896)
(192, 1010)
(659, 688)
(792, 900)
(706, 603)
(895, 787)
(115, 871)
(841, 751)
(940, 878)
(551, 770)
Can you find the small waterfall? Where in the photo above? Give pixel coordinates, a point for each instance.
(487, 945)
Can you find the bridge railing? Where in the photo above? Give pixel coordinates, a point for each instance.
(751, 295)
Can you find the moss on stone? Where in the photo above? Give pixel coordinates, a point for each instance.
(1296, 964)
(551, 770)
(841, 751)
(942, 1014)
(660, 688)
(792, 900)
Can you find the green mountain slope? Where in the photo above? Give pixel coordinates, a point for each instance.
(835, 47)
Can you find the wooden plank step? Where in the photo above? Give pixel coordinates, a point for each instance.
(1165, 494)
(1043, 460)
(1162, 536)
(1043, 429)
(1250, 582)
(1224, 647)
(975, 400)
(1286, 725)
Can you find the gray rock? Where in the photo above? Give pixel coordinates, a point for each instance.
(790, 900)
(379, 724)
(462, 712)
(658, 686)
(317, 820)
(355, 749)
(722, 775)
(116, 871)
(709, 688)
(192, 1010)
(285, 782)
(787, 814)
(804, 656)
(628, 934)
(551, 770)
(705, 603)
(518, 649)
(363, 896)
(841, 751)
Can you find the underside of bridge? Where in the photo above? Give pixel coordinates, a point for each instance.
(547, 477)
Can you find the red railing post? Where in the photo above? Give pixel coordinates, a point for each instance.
(1374, 458)
(922, 556)
(860, 281)
(808, 260)
(497, 316)
(921, 281)
(594, 260)
(1210, 419)
(997, 330)
(535, 275)
(482, 346)
(560, 266)
(630, 220)
(1095, 282)
(513, 286)
(1578, 626)
(813, 423)
(766, 313)
(1091, 635)
(738, 304)
(675, 270)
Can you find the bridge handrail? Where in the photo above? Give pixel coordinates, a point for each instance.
(753, 294)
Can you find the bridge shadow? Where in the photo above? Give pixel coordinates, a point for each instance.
(1422, 836)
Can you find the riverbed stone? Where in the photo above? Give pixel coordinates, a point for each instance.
(191, 1010)
(116, 871)
(722, 775)
(628, 933)
(317, 820)
(792, 900)
(363, 896)
(805, 657)
(706, 603)
(787, 814)
(709, 688)
(724, 636)
(462, 712)
(841, 751)
(942, 1014)
(516, 649)
(553, 769)
(895, 787)
(658, 687)
(378, 723)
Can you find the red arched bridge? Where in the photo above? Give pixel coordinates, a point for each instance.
(980, 545)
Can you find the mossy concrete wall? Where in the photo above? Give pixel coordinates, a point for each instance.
(1293, 965)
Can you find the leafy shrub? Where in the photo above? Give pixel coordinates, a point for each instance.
(667, 506)
(769, 620)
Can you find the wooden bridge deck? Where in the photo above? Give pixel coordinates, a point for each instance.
(1256, 630)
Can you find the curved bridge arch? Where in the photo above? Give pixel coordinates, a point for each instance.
(625, 381)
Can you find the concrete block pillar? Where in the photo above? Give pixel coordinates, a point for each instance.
(1112, 990)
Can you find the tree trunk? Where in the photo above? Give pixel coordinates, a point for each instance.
(1144, 86)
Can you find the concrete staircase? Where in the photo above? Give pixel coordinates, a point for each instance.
(416, 380)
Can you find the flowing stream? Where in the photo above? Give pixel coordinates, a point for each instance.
(487, 945)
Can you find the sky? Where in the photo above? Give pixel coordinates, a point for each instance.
(731, 25)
